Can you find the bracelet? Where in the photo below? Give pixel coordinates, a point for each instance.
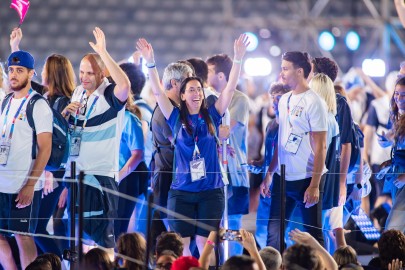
(236, 61)
(209, 242)
(150, 65)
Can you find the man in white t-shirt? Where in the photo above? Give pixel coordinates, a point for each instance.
(21, 176)
(301, 147)
(96, 117)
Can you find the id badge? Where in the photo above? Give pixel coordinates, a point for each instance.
(293, 143)
(4, 152)
(75, 141)
(197, 169)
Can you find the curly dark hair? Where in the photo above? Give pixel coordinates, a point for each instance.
(299, 256)
(391, 246)
(325, 65)
(169, 241)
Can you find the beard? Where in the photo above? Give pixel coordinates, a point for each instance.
(20, 86)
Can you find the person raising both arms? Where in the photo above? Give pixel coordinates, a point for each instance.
(197, 188)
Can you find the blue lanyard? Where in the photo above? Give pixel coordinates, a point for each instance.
(88, 112)
(10, 135)
(196, 150)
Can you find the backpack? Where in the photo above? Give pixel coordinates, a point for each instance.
(356, 144)
(60, 139)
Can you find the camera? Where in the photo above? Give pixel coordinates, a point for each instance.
(231, 235)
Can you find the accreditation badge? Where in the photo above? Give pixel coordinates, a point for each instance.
(75, 141)
(197, 169)
(4, 152)
(293, 143)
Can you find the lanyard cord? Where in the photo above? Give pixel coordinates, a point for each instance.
(288, 108)
(15, 116)
(196, 150)
(88, 112)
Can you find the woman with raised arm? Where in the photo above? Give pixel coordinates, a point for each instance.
(197, 189)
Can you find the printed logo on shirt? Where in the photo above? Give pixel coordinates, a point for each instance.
(23, 220)
(297, 111)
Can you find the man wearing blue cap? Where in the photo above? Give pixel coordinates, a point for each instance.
(21, 176)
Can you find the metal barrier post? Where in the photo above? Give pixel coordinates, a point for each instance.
(81, 210)
(282, 209)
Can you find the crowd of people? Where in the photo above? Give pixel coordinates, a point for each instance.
(203, 146)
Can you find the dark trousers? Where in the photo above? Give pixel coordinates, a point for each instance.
(312, 217)
(47, 208)
(135, 184)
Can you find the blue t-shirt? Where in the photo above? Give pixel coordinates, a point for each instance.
(131, 138)
(344, 119)
(184, 149)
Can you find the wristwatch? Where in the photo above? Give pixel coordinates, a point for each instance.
(358, 186)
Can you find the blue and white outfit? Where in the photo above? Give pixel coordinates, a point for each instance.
(201, 200)
(396, 217)
(100, 123)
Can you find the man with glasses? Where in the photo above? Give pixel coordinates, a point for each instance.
(21, 176)
(96, 115)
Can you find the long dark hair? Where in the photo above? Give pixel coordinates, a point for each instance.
(203, 109)
(397, 119)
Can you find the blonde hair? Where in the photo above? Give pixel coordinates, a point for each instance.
(323, 86)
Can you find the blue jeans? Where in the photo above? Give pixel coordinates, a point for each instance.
(312, 217)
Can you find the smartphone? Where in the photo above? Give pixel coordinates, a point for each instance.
(232, 235)
(382, 137)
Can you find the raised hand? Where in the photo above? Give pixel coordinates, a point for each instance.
(15, 39)
(239, 46)
(303, 238)
(100, 46)
(146, 50)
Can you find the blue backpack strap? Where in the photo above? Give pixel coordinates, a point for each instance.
(5, 101)
(30, 120)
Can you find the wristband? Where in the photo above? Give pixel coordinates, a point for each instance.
(236, 61)
(150, 65)
(209, 242)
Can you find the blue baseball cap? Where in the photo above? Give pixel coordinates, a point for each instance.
(21, 58)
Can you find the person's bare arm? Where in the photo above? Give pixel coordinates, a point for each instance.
(26, 193)
(123, 86)
(368, 139)
(225, 97)
(131, 164)
(249, 243)
(305, 238)
(163, 101)
(318, 143)
(344, 167)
